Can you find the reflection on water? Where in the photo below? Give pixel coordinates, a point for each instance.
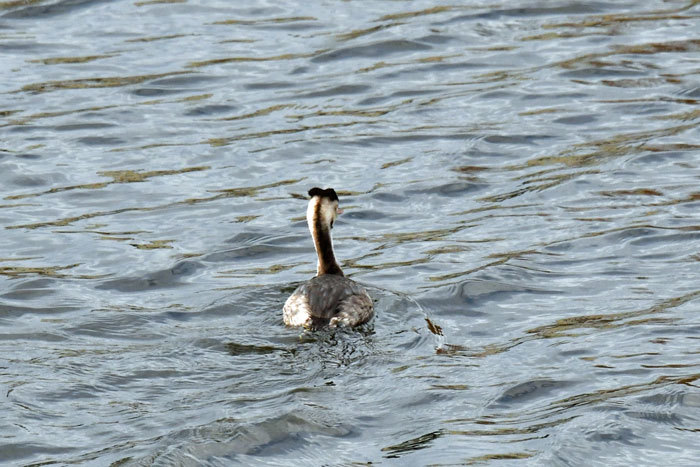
(521, 192)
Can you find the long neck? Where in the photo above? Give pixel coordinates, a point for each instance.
(321, 233)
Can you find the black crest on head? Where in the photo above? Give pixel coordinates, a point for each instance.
(324, 193)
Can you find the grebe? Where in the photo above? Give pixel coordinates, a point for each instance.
(330, 297)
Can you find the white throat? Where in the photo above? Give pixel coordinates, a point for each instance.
(320, 215)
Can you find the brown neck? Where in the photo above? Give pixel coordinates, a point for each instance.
(324, 249)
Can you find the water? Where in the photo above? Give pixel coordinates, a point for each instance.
(520, 183)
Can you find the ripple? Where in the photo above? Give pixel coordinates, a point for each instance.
(233, 440)
(171, 277)
(59, 8)
(375, 50)
(529, 390)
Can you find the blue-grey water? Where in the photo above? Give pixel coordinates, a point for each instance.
(521, 185)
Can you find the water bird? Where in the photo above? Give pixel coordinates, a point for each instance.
(329, 298)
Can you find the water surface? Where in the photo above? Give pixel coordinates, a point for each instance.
(520, 184)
